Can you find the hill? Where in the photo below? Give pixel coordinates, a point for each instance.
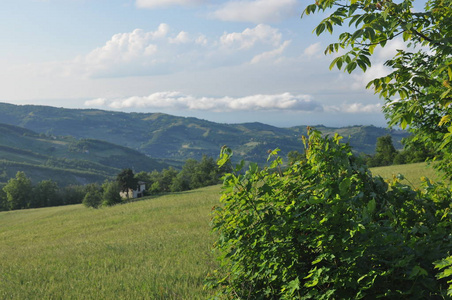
(169, 137)
(65, 159)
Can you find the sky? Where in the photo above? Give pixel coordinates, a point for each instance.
(227, 61)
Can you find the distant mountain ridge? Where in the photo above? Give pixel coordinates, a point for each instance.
(167, 137)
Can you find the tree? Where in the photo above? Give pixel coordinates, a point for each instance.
(18, 191)
(45, 193)
(72, 194)
(418, 91)
(93, 196)
(126, 181)
(111, 194)
(3, 201)
(166, 179)
(385, 151)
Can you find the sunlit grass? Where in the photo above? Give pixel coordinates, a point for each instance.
(158, 248)
(412, 173)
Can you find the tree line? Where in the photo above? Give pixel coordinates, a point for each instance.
(21, 193)
(386, 154)
(194, 174)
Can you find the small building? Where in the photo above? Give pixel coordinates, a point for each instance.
(136, 193)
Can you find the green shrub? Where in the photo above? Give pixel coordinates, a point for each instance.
(327, 229)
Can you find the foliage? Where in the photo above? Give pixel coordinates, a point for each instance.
(23, 194)
(18, 191)
(294, 156)
(45, 194)
(93, 196)
(327, 229)
(110, 195)
(126, 181)
(72, 194)
(385, 153)
(3, 200)
(421, 73)
(416, 151)
(446, 266)
(196, 174)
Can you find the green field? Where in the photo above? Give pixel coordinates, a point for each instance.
(411, 172)
(159, 248)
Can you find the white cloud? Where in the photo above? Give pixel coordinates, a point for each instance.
(355, 108)
(120, 52)
(165, 3)
(390, 49)
(313, 50)
(141, 53)
(270, 54)
(361, 79)
(201, 40)
(177, 100)
(250, 36)
(257, 11)
(96, 102)
(181, 38)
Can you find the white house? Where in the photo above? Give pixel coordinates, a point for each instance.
(137, 193)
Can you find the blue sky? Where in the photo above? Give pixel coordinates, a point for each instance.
(227, 61)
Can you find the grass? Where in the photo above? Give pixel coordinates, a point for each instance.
(411, 172)
(158, 248)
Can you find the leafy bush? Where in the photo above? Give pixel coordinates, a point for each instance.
(327, 229)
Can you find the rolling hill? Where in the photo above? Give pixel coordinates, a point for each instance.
(172, 138)
(66, 160)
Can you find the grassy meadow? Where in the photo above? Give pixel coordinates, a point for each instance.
(411, 172)
(158, 248)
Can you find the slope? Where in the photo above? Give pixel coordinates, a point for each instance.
(65, 159)
(158, 248)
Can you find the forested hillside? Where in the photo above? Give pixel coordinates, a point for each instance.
(65, 159)
(177, 138)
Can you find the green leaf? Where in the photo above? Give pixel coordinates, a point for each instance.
(320, 29)
(344, 185)
(293, 286)
(371, 206)
(418, 271)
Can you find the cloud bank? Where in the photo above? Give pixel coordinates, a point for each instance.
(275, 102)
(177, 100)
